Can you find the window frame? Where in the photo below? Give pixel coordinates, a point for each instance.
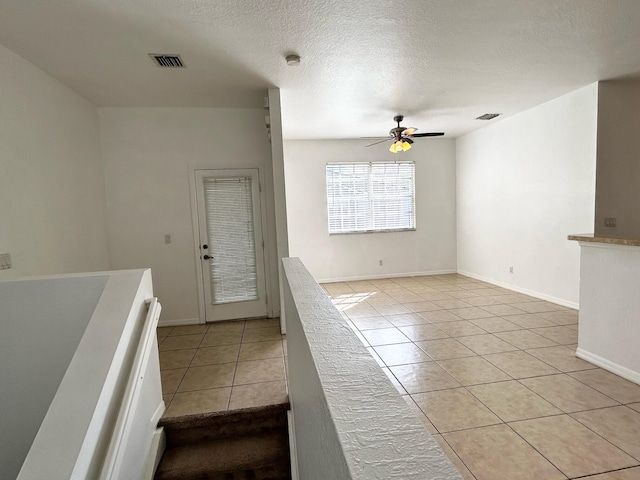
(370, 198)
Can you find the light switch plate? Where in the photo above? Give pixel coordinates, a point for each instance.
(5, 261)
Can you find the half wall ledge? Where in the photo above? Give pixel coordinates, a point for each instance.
(348, 420)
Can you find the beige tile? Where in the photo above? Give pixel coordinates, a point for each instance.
(257, 371)
(176, 358)
(208, 376)
(445, 348)
(189, 330)
(618, 425)
(440, 316)
(404, 296)
(227, 327)
(487, 343)
(512, 401)
(258, 394)
(495, 324)
(489, 291)
(216, 338)
(460, 466)
(201, 401)
(163, 332)
(502, 310)
(214, 355)
(529, 320)
(362, 286)
(261, 334)
(262, 322)
(610, 384)
(566, 393)
(559, 334)
(423, 332)
(454, 409)
(571, 447)
(170, 379)
(337, 288)
(538, 307)
(452, 303)
(471, 313)
(519, 364)
(525, 339)
(423, 377)
(460, 328)
(635, 406)
(422, 306)
(435, 296)
(260, 350)
(421, 416)
(407, 319)
(561, 357)
(509, 298)
(565, 317)
(166, 398)
(401, 353)
(181, 342)
(370, 323)
(379, 298)
(482, 301)
(394, 381)
(464, 294)
(497, 453)
(384, 336)
(473, 370)
(626, 474)
(361, 310)
(393, 309)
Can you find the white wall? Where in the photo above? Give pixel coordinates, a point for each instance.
(618, 171)
(429, 249)
(147, 154)
(523, 185)
(52, 196)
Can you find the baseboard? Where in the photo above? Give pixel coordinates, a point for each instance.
(608, 365)
(526, 291)
(158, 446)
(178, 322)
(384, 275)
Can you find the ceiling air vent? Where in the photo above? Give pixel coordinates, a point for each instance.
(488, 116)
(167, 61)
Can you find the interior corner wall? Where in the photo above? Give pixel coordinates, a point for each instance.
(148, 153)
(431, 248)
(52, 194)
(523, 185)
(618, 165)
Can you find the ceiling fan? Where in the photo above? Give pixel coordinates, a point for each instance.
(402, 136)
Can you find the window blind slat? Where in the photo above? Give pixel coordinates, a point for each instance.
(229, 211)
(370, 196)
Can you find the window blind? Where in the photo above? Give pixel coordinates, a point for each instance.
(229, 211)
(370, 197)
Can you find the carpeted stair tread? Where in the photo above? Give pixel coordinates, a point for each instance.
(249, 457)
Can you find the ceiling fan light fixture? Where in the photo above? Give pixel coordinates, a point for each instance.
(405, 146)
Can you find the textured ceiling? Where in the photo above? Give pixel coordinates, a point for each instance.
(440, 63)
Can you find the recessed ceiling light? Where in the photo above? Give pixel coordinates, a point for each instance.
(488, 116)
(293, 60)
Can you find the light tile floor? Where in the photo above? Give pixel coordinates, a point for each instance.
(222, 366)
(490, 373)
(493, 376)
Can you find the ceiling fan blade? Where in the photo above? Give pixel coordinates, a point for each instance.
(409, 131)
(381, 141)
(428, 134)
(378, 137)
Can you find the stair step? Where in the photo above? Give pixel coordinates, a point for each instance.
(257, 458)
(247, 444)
(228, 424)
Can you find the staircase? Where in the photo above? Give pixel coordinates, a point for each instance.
(247, 444)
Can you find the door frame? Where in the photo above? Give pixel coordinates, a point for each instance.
(193, 186)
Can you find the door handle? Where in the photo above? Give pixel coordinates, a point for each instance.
(206, 257)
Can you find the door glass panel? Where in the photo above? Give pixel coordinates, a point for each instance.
(229, 210)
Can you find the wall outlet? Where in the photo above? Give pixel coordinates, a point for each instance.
(380, 262)
(510, 269)
(5, 261)
(610, 222)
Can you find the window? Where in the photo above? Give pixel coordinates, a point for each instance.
(371, 197)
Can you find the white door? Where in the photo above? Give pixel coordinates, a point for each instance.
(231, 244)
